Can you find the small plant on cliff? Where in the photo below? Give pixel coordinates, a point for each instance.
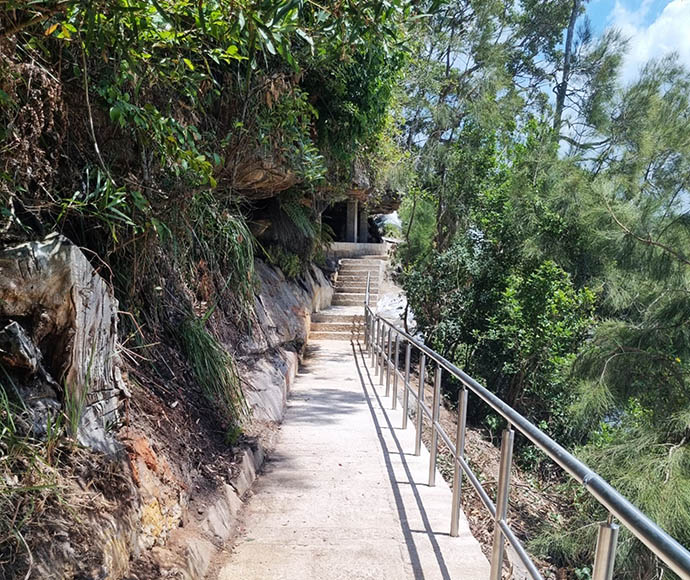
(214, 369)
(285, 127)
(289, 263)
(74, 405)
(217, 233)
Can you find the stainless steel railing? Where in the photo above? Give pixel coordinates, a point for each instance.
(382, 340)
(366, 294)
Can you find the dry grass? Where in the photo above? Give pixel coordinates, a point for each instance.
(52, 493)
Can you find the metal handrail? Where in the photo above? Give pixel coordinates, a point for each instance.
(671, 552)
(366, 294)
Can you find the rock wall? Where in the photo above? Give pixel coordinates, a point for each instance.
(269, 356)
(173, 493)
(58, 337)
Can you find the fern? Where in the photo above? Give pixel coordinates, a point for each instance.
(302, 217)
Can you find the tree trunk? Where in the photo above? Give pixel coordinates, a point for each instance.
(562, 87)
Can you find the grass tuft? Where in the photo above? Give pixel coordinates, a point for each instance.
(214, 369)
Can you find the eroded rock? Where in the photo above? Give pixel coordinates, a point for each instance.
(17, 350)
(34, 386)
(284, 308)
(269, 355)
(68, 319)
(263, 177)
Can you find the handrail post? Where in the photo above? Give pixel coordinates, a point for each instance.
(383, 353)
(374, 338)
(366, 328)
(382, 327)
(396, 371)
(375, 345)
(420, 398)
(372, 322)
(457, 471)
(406, 386)
(389, 361)
(502, 502)
(436, 410)
(366, 295)
(605, 555)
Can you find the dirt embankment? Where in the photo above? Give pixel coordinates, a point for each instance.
(168, 498)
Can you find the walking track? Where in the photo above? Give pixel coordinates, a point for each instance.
(343, 496)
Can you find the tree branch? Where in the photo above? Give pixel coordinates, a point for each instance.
(648, 241)
(35, 20)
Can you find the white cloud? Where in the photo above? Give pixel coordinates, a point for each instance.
(669, 32)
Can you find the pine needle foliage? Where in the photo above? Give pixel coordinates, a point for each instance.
(551, 256)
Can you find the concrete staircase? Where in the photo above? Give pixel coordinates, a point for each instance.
(347, 311)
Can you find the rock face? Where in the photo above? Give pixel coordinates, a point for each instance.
(59, 337)
(58, 342)
(384, 202)
(35, 386)
(269, 356)
(262, 177)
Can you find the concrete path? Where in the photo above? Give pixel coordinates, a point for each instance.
(342, 496)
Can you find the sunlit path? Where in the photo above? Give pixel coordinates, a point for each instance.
(342, 496)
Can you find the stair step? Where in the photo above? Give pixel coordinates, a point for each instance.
(356, 276)
(360, 271)
(355, 290)
(362, 283)
(363, 266)
(326, 316)
(358, 261)
(334, 326)
(358, 283)
(351, 290)
(332, 336)
(348, 302)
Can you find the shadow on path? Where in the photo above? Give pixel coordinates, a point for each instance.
(320, 406)
(367, 386)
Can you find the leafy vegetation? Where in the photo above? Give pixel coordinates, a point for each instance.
(171, 108)
(177, 142)
(546, 246)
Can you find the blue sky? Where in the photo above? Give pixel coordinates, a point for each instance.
(601, 12)
(654, 28)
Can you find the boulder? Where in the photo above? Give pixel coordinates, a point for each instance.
(262, 177)
(65, 334)
(384, 201)
(283, 308)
